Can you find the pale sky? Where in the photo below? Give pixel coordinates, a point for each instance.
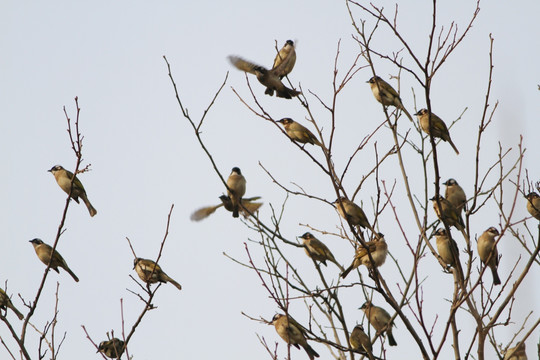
(144, 157)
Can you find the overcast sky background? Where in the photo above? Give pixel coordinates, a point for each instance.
(145, 157)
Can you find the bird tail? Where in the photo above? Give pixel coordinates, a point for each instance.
(311, 353)
(292, 92)
(347, 271)
(235, 211)
(406, 113)
(203, 213)
(91, 209)
(391, 339)
(496, 279)
(172, 281)
(17, 312)
(453, 146)
(72, 274)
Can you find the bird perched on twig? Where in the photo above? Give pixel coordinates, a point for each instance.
(248, 206)
(359, 340)
(63, 178)
(516, 353)
(386, 95)
(5, 302)
(269, 78)
(449, 213)
(288, 54)
(151, 273)
(533, 204)
(236, 184)
(455, 194)
(113, 348)
(46, 255)
(352, 213)
(380, 320)
(299, 133)
(378, 250)
(317, 250)
(487, 250)
(446, 247)
(437, 129)
(293, 333)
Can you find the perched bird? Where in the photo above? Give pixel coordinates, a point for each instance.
(293, 333)
(269, 78)
(446, 247)
(378, 250)
(46, 255)
(288, 53)
(533, 205)
(359, 340)
(516, 353)
(299, 133)
(63, 178)
(316, 249)
(380, 320)
(247, 203)
(113, 348)
(386, 95)
(437, 129)
(5, 302)
(449, 214)
(352, 213)
(151, 273)
(487, 250)
(236, 184)
(455, 194)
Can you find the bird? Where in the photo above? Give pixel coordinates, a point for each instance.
(288, 53)
(352, 213)
(449, 213)
(248, 204)
(516, 353)
(113, 348)
(378, 250)
(446, 247)
(151, 273)
(317, 250)
(380, 320)
(292, 333)
(386, 95)
(455, 194)
(46, 254)
(5, 302)
(269, 78)
(437, 129)
(359, 340)
(63, 178)
(299, 133)
(236, 188)
(533, 204)
(487, 250)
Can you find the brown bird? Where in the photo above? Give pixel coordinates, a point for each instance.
(386, 95)
(248, 204)
(437, 129)
(269, 78)
(113, 348)
(533, 204)
(46, 255)
(292, 333)
(288, 53)
(236, 184)
(380, 320)
(359, 340)
(299, 133)
(449, 213)
(446, 247)
(151, 273)
(487, 250)
(63, 178)
(5, 302)
(378, 250)
(455, 194)
(516, 353)
(352, 213)
(317, 250)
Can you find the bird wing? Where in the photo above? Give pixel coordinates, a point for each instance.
(245, 65)
(204, 212)
(362, 251)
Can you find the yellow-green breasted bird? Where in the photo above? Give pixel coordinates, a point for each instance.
(287, 53)
(487, 250)
(293, 333)
(5, 302)
(63, 178)
(317, 250)
(449, 214)
(378, 250)
(380, 320)
(248, 206)
(46, 255)
(386, 95)
(113, 348)
(299, 133)
(151, 273)
(236, 184)
(437, 129)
